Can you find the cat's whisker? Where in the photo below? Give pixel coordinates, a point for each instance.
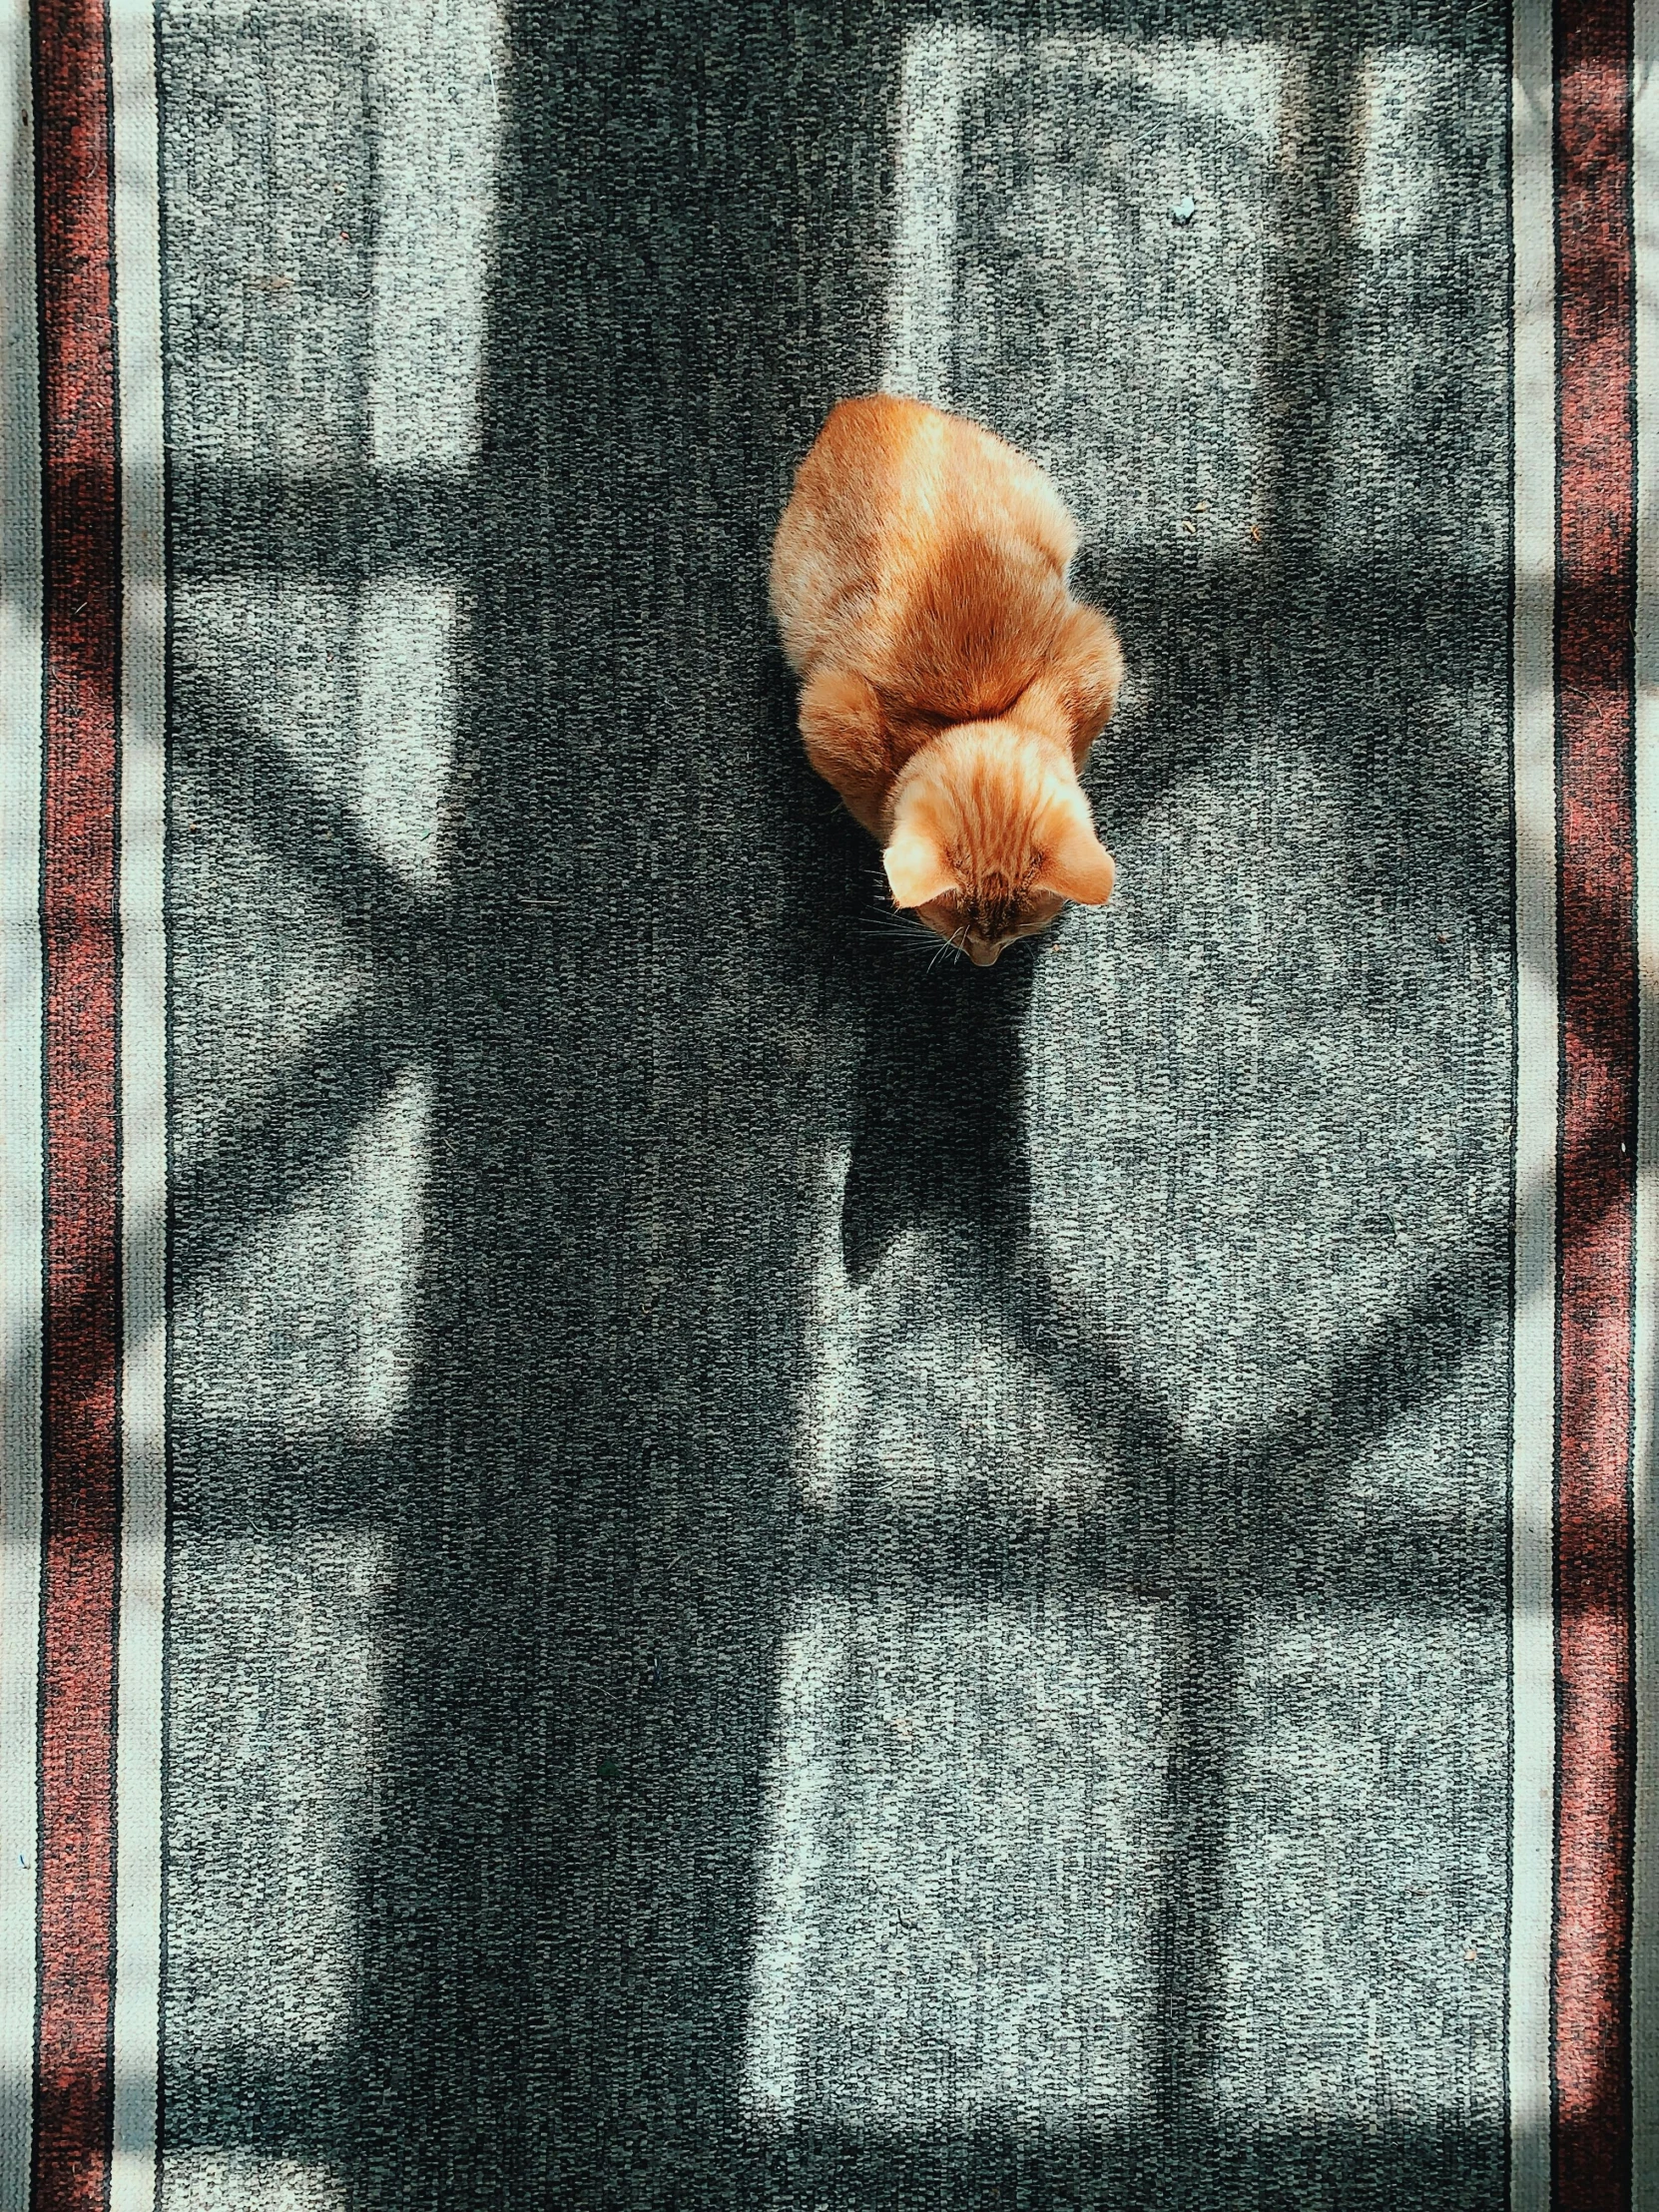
(902, 940)
(897, 925)
(952, 943)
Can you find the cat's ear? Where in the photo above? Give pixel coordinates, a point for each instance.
(1079, 868)
(916, 869)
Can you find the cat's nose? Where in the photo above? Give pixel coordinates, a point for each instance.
(981, 954)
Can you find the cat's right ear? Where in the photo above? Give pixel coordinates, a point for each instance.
(917, 870)
(1079, 868)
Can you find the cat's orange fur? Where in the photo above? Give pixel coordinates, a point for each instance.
(951, 684)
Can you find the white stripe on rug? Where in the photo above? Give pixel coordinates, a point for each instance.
(143, 710)
(1533, 205)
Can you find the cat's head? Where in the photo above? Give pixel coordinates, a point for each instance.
(990, 837)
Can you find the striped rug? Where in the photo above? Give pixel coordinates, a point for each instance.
(652, 1561)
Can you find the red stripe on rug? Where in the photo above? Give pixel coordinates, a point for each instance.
(73, 2064)
(1595, 735)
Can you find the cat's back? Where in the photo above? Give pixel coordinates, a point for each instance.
(893, 496)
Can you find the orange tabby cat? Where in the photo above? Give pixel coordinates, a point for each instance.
(951, 684)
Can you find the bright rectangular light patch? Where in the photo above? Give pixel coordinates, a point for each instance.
(954, 1918)
(1083, 258)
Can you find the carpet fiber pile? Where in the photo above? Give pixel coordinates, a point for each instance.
(664, 1556)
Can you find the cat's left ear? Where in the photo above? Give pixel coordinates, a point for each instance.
(1079, 868)
(916, 869)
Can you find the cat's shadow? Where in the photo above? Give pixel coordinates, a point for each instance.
(936, 1122)
(937, 1127)
(937, 1138)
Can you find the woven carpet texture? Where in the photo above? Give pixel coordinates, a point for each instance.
(802, 1580)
